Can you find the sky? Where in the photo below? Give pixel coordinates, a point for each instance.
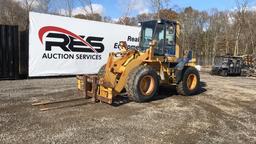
(116, 8)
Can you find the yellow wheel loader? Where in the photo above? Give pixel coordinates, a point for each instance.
(139, 72)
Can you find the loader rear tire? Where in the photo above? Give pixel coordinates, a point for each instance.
(142, 84)
(189, 85)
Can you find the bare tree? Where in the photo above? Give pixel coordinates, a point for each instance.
(85, 5)
(28, 4)
(64, 7)
(69, 6)
(157, 5)
(241, 10)
(127, 8)
(44, 6)
(144, 17)
(12, 13)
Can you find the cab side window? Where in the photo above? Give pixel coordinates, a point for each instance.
(170, 40)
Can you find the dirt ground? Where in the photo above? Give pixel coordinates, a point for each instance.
(223, 112)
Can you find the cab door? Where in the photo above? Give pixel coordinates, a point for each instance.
(159, 36)
(170, 40)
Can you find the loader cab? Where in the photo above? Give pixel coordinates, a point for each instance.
(164, 32)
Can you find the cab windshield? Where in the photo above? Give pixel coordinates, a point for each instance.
(147, 32)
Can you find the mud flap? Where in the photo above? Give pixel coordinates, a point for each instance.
(180, 66)
(178, 71)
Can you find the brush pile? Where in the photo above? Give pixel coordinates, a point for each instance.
(249, 65)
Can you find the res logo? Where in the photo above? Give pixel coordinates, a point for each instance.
(70, 41)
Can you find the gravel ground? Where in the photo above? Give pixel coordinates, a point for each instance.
(223, 112)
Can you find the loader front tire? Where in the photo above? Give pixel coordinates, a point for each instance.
(189, 85)
(142, 84)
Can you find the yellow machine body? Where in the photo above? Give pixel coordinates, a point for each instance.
(117, 71)
(121, 64)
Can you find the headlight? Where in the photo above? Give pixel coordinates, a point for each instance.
(231, 65)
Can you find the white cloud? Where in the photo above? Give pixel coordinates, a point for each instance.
(145, 10)
(97, 8)
(253, 8)
(140, 5)
(136, 6)
(115, 19)
(248, 8)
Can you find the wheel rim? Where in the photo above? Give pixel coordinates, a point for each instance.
(147, 85)
(191, 81)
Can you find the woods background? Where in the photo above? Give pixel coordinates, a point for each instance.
(207, 33)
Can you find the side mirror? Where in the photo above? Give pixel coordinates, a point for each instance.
(188, 54)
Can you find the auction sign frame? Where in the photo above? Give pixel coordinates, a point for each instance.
(69, 46)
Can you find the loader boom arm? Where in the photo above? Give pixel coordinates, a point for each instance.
(118, 69)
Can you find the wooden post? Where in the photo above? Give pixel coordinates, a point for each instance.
(85, 85)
